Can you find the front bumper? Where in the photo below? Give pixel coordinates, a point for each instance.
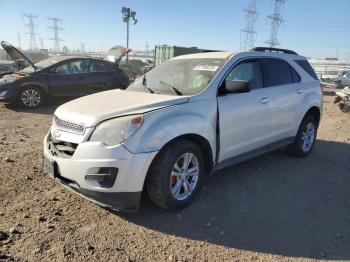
(73, 172)
(7, 94)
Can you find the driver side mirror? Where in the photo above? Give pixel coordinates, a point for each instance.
(235, 86)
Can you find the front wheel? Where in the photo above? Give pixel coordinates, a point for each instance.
(175, 175)
(30, 97)
(305, 138)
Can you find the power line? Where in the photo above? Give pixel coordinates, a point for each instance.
(249, 33)
(56, 29)
(31, 31)
(276, 20)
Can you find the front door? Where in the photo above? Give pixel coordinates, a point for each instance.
(69, 78)
(244, 118)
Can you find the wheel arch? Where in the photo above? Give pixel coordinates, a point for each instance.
(37, 85)
(315, 111)
(202, 143)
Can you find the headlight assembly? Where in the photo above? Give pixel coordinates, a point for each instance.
(115, 131)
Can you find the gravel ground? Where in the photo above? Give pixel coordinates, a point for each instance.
(272, 208)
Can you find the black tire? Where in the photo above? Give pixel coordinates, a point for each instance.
(37, 93)
(297, 148)
(158, 182)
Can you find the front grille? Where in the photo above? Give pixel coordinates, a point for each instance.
(69, 126)
(61, 149)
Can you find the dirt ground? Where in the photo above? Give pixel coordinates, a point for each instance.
(272, 208)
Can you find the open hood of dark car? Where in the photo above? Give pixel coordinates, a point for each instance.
(116, 53)
(15, 54)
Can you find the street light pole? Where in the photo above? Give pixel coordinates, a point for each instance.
(127, 14)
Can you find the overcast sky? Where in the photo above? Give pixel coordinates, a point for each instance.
(312, 28)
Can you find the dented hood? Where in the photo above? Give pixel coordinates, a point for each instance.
(92, 109)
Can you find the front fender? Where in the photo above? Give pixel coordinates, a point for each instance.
(166, 124)
(43, 87)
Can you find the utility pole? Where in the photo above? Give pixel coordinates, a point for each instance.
(147, 48)
(56, 29)
(19, 40)
(42, 43)
(127, 14)
(31, 31)
(82, 45)
(276, 20)
(249, 33)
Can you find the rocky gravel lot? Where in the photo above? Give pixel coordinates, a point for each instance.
(272, 208)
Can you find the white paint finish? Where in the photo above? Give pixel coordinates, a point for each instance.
(245, 122)
(132, 168)
(92, 109)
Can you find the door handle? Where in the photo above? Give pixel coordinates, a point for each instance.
(264, 100)
(299, 91)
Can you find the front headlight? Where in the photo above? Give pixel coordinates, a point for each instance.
(115, 131)
(8, 80)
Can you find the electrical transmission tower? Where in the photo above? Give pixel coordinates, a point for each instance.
(276, 20)
(249, 33)
(56, 29)
(31, 30)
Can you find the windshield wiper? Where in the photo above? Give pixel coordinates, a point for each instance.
(177, 91)
(144, 83)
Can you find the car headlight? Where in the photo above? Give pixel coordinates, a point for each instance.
(115, 131)
(10, 79)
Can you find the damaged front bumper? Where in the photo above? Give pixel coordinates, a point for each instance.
(111, 177)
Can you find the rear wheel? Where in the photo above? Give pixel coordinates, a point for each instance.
(305, 138)
(30, 97)
(175, 175)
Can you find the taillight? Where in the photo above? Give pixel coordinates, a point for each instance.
(124, 75)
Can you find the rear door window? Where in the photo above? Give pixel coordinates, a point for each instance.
(278, 72)
(97, 66)
(304, 64)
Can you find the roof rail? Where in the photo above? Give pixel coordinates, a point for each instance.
(271, 49)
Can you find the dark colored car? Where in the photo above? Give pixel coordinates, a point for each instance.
(59, 76)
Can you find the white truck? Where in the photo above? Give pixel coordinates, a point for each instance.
(183, 120)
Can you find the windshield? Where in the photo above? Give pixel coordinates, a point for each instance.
(179, 76)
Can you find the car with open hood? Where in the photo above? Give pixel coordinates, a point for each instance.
(183, 120)
(60, 76)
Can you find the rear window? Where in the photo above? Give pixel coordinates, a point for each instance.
(304, 64)
(278, 72)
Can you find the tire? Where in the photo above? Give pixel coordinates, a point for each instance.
(305, 138)
(162, 179)
(30, 97)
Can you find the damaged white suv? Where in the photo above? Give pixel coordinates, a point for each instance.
(184, 119)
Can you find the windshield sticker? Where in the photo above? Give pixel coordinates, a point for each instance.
(205, 68)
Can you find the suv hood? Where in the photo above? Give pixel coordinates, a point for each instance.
(15, 54)
(92, 109)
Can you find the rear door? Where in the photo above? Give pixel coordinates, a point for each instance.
(244, 118)
(100, 76)
(286, 93)
(69, 78)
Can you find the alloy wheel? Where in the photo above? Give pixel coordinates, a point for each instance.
(31, 98)
(184, 176)
(308, 137)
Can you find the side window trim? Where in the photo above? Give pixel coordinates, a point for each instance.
(242, 60)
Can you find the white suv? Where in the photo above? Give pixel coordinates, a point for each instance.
(185, 119)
